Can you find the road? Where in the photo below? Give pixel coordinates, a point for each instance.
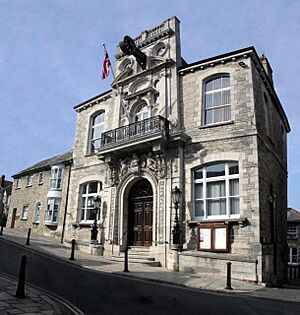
(102, 293)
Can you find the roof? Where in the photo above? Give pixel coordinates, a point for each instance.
(92, 99)
(46, 164)
(293, 215)
(250, 49)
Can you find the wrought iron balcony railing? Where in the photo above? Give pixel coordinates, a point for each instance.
(156, 125)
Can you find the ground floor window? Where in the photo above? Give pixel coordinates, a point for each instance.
(292, 255)
(88, 192)
(37, 213)
(24, 215)
(52, 211)
(216, 191)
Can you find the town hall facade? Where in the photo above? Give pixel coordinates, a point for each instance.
(213, 130)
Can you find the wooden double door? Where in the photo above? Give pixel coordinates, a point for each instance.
(140, 222)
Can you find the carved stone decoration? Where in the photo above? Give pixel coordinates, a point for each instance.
(161, 165)
(113, 176)
(135, 165)
(123, 167)
(111, 215)
(161, 222)
(173, 120)
(175, 165)
(151, 162)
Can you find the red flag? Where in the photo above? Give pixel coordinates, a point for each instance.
(106, 65)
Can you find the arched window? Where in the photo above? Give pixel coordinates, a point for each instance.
(37, 213)
(88, 192)
(217, 100)
(142, 112)
(216, 190)
(97, 127)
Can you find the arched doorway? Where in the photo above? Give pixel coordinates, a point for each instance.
(140, 214)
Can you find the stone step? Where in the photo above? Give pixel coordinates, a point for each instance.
(149, 261)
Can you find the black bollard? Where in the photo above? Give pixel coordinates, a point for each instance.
(20, 293)
(28, 237)
(73, 250)
(126, 260)
(228, 284)
(1, 230)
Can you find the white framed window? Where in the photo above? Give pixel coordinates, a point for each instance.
(88, 192)
(56, 177)
(217, 100)
(25, 210)
(52, 211)
(216, 191)
(29, 180)
(292, 255)
(41, 178)
(97, 127)
(37, 213)
(18, 183)
(292, 230)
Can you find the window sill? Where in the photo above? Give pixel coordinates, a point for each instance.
(51, 223)
(195, 222)
(41, 183)
(28, 186)
(24, 219)
(219, 124)
(36, 222)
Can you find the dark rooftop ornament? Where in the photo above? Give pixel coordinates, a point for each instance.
(128, 47)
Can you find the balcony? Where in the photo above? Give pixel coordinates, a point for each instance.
(138, 134)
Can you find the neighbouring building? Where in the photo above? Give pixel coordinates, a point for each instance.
(293, 239)
(5, 193)
(214, 128)
(39, 196)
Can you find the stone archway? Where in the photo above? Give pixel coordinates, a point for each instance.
(140, 214)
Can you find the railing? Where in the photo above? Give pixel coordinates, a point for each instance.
(138, 130)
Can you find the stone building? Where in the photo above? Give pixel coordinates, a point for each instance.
(293, 239)
(39, 196)
(215, 129)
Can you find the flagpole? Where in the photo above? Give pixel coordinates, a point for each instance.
(117, 85)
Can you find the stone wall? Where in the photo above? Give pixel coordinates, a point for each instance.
(31, 195)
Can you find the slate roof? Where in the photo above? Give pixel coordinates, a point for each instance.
(293, 215)
(46, 164)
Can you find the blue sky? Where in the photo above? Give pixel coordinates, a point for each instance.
(51, 55)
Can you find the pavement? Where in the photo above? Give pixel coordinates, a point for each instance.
(40, 302)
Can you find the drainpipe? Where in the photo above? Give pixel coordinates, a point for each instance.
(66, 204)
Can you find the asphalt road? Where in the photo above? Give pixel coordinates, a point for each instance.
(101, 293)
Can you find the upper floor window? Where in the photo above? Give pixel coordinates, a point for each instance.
(217, 100)
(56, 177)
(88, 192)
(29, 180)
(52, 212)
(41, 178)
(97, 129)
(292, 230)
(18, 182)
(142, 113)
(216, 191)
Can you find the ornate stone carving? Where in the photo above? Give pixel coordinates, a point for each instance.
(135, 165)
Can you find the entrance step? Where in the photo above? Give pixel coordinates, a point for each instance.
(138, 254)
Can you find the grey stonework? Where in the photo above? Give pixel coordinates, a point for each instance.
(254, 136)
(37, 193)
